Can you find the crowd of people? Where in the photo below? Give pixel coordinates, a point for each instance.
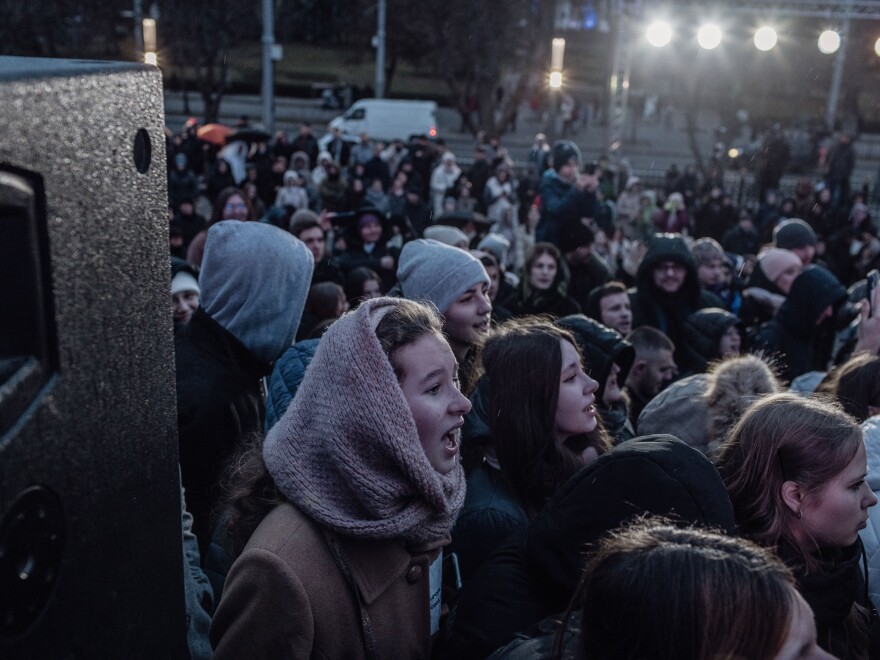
(520, 410)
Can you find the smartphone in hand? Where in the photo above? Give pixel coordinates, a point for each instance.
(873, 279)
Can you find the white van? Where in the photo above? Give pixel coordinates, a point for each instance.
(386, 119)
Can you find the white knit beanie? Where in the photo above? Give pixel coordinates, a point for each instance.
(431, 271)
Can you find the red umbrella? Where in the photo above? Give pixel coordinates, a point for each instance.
(213, 133)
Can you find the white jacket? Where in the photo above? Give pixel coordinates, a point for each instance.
(871, 534)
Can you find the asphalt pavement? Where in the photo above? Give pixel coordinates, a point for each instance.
(649, 149)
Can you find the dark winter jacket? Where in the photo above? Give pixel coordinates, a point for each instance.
(190, 225)
(218, 401)
(328, 270)
(831, 592)
(741, 241)
(668, 313)
(489, 516)
(753, 312)
(586, 277)
(356, 256)
(792, 337)
(561, 202)
(554, 301)
(182, 185)
(286, 376)
(535, 573)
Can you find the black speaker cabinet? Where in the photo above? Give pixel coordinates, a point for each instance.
(90, 542)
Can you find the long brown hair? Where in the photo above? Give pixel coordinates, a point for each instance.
(783, 437)
(523, 360)
(857, 385)
(654, 590)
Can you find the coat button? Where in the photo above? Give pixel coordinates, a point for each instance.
(414, 574)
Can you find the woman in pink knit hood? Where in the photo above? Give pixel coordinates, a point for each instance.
(362, 484)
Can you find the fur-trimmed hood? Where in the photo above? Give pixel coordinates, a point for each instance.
(701, 409)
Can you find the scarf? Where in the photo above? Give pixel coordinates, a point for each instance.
(347, 452)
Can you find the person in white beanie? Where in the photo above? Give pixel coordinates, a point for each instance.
(185, 291)
(451, 236)
(457, 284)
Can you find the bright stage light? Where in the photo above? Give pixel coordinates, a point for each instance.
(765, 38)
(709, 36)
(555, 79)
(877, 47)
(829, 42)
(659, 34)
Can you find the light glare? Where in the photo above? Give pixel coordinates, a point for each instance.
(829, 42)
(555, 79)
(709, 36)
(659, 34)
(765, 38)
(877, 47)
(150, 58)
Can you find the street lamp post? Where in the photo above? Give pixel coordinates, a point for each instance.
(380, 50)
(150, 42)
(557, 53)
(268, 83)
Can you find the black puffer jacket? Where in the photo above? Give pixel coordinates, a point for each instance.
(535, 573)
(603, 347)
(666, 312)
(218, 402)
(792, 337)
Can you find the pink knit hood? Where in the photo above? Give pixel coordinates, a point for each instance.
(347, 451)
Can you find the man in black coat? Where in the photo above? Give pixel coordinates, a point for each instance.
(667, 292)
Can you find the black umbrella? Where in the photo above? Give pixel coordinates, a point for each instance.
(249, 135)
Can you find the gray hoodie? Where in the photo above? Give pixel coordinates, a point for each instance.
(255, 279)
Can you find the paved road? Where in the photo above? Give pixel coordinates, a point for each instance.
(649, 154)
(655, 149)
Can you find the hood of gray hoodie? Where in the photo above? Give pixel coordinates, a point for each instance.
(255, 279)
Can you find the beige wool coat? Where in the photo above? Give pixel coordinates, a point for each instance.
(286, 598)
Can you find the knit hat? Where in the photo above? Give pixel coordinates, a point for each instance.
(451, 236)
(705, 250)
(254, 280)
(497, 245)
(184, 281)
(792, 234)
(564, 151)
(367, 218)
(431, 271)
(775, 260)
(347, 451)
